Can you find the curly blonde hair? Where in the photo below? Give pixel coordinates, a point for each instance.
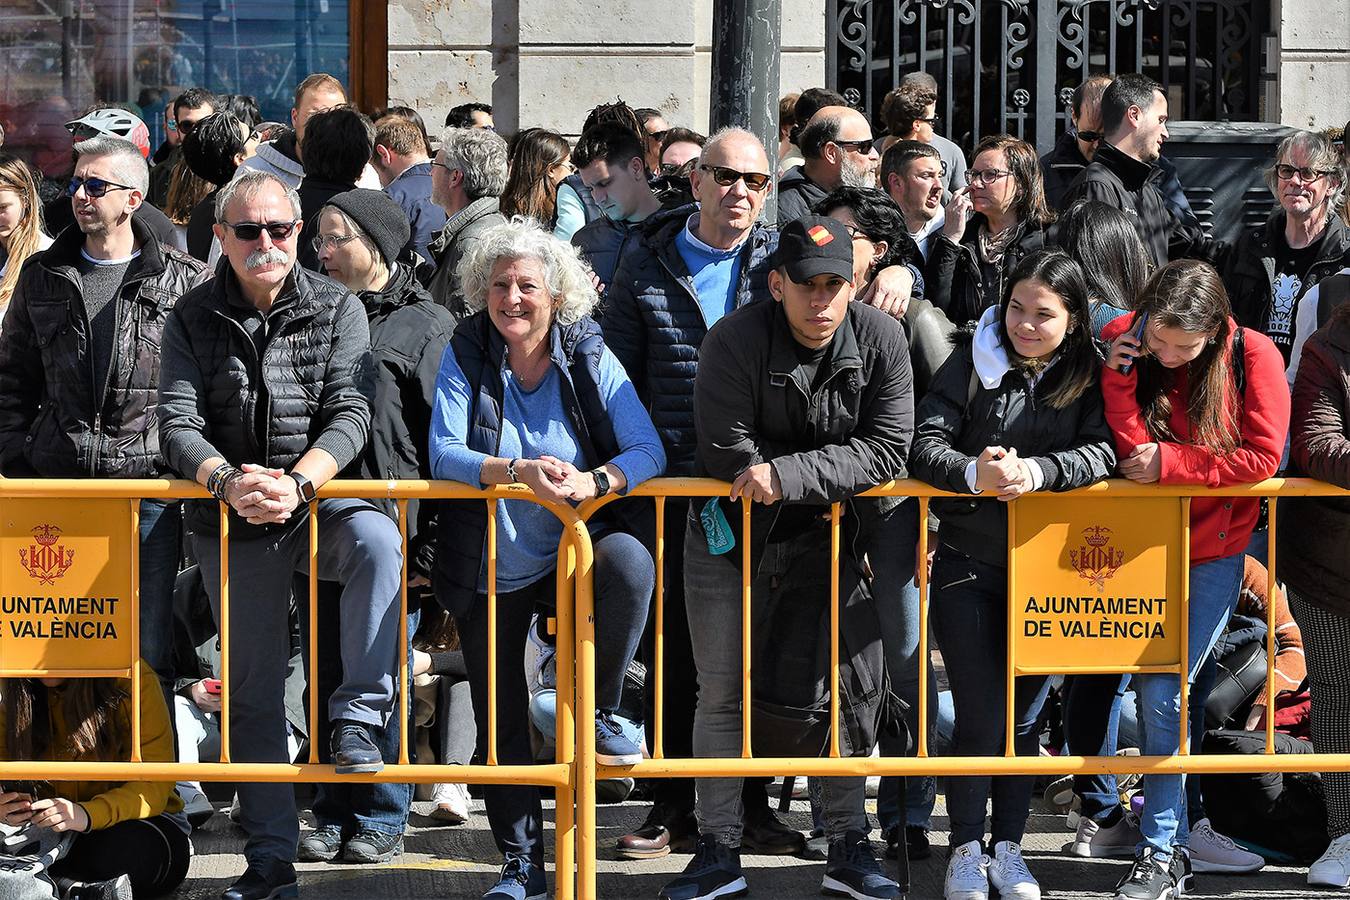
(567, 278)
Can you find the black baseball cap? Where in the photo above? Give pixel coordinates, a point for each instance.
(815, 245)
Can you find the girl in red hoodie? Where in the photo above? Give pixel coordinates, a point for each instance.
(1185, 410)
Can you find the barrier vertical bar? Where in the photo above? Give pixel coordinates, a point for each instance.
(659, 639)
(135, 629)
(834, 630)
(1185, 747)
(565, 799)
(1010, 688)
(224, 633)
(314, 739)
(746, 698)
(921, 567)
(1270, 626)
(584, 767)
(492, 631)
(405, 670)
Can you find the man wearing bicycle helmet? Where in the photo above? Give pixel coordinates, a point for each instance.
(114, 122)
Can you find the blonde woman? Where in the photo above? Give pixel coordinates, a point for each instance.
(21, 233)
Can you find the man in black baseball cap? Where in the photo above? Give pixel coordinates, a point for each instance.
(799, 404)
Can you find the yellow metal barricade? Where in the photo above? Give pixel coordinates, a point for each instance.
(46, 554)
(660, 766)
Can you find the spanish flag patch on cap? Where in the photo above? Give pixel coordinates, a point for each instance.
(820, 234)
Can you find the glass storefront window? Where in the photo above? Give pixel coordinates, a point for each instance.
(59, 57)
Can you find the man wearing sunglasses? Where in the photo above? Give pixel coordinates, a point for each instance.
(266, 395)
(1125, 173)
(189, 108)
(1076, 147)
(79, 362)
(838, 152)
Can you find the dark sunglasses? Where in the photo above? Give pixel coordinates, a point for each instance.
(251, 231)
(755, 181)
(1090, 137)
(95, 187)
(658, 135)
(931, 120)
(864, 146)
(185, 128)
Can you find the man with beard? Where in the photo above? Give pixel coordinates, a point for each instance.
(837, 146)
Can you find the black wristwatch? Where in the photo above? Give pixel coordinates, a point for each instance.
(304, 487)
(601, 482)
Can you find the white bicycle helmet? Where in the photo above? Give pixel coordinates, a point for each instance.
(116, 123)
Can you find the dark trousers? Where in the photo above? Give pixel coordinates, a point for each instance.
(970, 616)
(154, 852)
(161, 552)
(624, 576)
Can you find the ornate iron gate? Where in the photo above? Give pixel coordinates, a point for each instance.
(1009, 65)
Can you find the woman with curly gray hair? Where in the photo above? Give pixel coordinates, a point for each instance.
(528, 393)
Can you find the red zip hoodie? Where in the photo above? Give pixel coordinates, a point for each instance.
(1220, 526)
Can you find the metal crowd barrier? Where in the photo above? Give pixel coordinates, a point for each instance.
(574, 772)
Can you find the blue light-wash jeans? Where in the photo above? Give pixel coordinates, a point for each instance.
(1214, 590)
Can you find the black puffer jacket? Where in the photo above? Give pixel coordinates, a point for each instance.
(602, 242)
(51, 422)
(952, 273)
(1250, 275)
(797, 195)
(654, 324)
(408, 336)
(264, 389)
(1072, 447)
(1135, 188)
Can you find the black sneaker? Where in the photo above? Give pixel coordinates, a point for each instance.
(1147, 879)
(1180, 870)
(916, 843)
(765, 834)
(353, 750)
(277, 883)
(370, 846)
(323, 844)
(715, 871)
(852, 870)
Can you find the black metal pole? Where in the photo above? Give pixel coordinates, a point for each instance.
(745, 48)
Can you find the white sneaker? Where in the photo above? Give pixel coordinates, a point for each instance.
(1332, 868)
(1009, 875)
(450, 803)
(967, 873)
(1117, 841)
(1214, 852)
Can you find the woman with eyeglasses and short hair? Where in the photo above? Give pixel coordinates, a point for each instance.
(998, 218)
(1273, 273)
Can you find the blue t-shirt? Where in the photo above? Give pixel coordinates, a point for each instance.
(716, 273)
(535, 423)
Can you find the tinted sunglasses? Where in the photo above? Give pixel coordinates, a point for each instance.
(658, 135)
(1090, 137)
(755, 181)
(185, 128)
(95, 187)
(864, 146)
(251, 231)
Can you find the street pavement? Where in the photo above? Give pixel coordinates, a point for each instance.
(443, 862)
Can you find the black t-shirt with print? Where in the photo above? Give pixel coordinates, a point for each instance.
(1288, 287)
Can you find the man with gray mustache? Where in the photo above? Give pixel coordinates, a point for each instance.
(265, 395)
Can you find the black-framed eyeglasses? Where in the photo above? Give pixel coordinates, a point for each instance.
(985, 177)
(863, 146)
(335, 241)
(95, 187)
(855, 232)
(440, 165)
(1306, 175)
(726, 177)
(251, 231)
(1091, 137)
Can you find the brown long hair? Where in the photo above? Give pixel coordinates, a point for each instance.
(1031, 206)
(186, 190)
(528, 191)
(1189, 295)
(94, 712)
(17, 177)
